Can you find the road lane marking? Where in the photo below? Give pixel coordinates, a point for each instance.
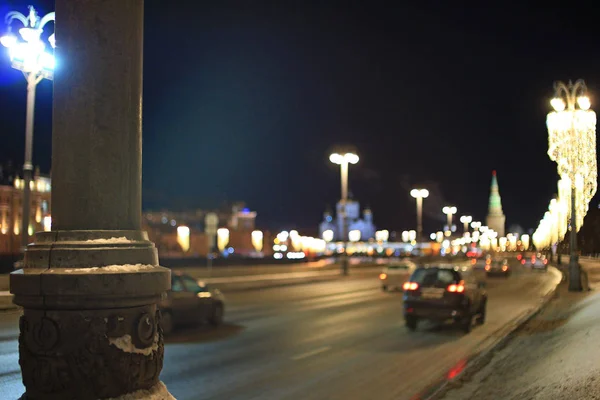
(311, 353)
(269, 277)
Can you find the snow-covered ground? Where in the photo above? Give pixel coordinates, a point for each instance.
(555, 356)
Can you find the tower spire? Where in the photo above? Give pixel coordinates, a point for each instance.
(495, 219)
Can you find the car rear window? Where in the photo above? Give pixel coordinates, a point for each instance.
(434, 277)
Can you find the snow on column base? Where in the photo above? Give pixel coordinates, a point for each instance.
(158, 392)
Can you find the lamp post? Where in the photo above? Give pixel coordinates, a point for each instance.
(90, 326)
(466, 220)
(449, 211)
(572, 144)
(419, 195)
(343, 160)
(28, 54)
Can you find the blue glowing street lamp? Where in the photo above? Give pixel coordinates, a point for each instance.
(27, 52)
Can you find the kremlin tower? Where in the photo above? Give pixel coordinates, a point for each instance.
(495, 219)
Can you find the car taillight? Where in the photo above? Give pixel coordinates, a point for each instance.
(487, 267)
(545, 261)
(382, 276)
(519, 257)
(456, 288)
(533, 260)
(505, 268)
(473, 261)
(523, 261)
(410, 286)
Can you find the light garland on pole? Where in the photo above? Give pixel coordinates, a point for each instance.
(572, 145)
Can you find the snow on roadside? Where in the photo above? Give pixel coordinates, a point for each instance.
(108, 268)
(158, 392)
(121, 239)
(553, 357)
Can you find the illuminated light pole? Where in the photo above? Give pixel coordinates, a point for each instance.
(222, 239)
(419, 195)
(572, 145)
(343, 160)
(466, 220)
(449, 211)
(183, 238)
(257, 240)
(28, 54)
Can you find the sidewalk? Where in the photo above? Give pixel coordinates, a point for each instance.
(553, 357)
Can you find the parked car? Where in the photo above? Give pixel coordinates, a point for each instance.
(394, 275)
(442, 293)
(190, 303)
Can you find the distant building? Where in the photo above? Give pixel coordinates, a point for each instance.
(11, 207)
(162, 230)
(364, 225)
(496, 219)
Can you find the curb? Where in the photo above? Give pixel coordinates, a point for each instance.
(478, 360)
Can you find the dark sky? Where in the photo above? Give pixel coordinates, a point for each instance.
(244, 100)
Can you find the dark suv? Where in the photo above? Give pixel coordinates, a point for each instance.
(443, 293)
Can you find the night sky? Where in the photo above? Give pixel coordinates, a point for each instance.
(245, 100)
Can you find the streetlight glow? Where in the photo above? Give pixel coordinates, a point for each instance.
(419, 195)
(340, 159)
(449, 211)
(343, 160)
(28, 54)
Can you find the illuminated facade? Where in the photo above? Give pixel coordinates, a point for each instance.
(162, 229)
(355, 222)
(11, 209)
(496, 220)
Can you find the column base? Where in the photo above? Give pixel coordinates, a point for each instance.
(90, 327)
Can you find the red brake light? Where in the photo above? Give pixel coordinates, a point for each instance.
(382, 276)
(545, 261)
(456, 288)
(523, 261)
(410, 286)
(505, 268)
(519, 257)
(487, 267)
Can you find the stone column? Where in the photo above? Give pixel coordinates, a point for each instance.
(90, 287)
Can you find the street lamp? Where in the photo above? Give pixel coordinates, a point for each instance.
(419, 195)
(28, 54)
(257, 240)
(466, 220)
(572, 145)
(343, 160)
(449, 211)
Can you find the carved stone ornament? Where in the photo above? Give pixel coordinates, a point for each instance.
(72, 355)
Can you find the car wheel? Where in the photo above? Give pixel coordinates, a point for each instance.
(384, 288)
(482, 311)
(411, 323)
(467, 323)
(166, 321)
(216, 317)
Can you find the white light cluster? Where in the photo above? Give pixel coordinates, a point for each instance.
(28, 53)
(572, 145)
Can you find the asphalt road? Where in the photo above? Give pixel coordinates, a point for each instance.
(341, 339)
